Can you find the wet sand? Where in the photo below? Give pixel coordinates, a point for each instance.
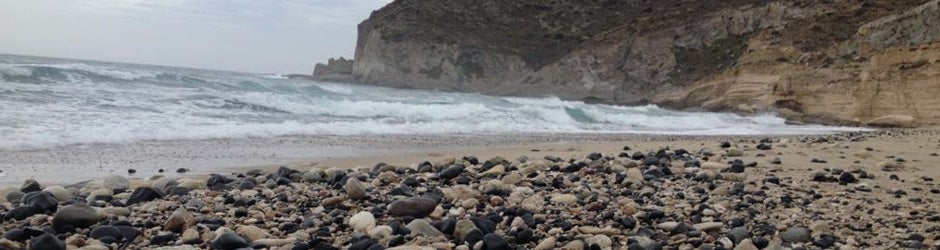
(86, 162)
(91, 161)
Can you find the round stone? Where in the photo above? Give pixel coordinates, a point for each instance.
(362, 221)
(74, 216)
(229, 241)
(355, 190)
(418, 207)
(46, 242)
(795, 234)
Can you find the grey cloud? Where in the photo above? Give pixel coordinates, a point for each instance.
(281, 36)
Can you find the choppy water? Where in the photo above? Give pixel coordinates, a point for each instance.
(52, 102)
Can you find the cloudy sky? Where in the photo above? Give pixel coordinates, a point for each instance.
(277, 36)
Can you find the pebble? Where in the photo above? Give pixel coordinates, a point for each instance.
(30, 185)
(418, 207)
(59, 192)
(546, 244)
(424, 228)
(40, 201)
(847, 177)
(469, 203)
(191, 236)
(333, 201)
(313, 176)
(863, 187)
(602, 241)
(362, 221)
(708, 226)
(15, 196)
(74, 216)
(495, 171)
(144, 194)
(46, 242)
(179, 221)
(795, 234)
(738, 234)
(564, 199)
(107, 234)
(465, 230)
(355, 190)
(452, 171)
(229, 241)
(252, 233)
(380, 232)
(493, 241)
(572, 245)
(746, 244)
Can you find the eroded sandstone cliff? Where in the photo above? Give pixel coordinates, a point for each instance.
(872, 62)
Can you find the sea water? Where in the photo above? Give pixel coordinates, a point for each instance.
(47, 102)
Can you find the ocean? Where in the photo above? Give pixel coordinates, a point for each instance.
(47, 102)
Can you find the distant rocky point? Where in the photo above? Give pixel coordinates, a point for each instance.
(873, 62)
(335, 70)
(341, 66)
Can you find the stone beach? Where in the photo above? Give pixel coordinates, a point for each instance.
(865, 190)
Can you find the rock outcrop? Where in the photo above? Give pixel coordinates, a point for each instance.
(340, 69)
(873, 62)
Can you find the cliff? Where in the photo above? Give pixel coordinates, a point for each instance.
(871, 62)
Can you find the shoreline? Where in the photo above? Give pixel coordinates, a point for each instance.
(90, 161)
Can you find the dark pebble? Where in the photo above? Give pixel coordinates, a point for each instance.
(20, 213)
(144, 194)
(107, 231)
(486, 226)
(46, 242)
(825, 241)
(847, 177)
(418, 207)
(229, 241)
(452, 172)
(162, 239)
(16, 234)
(30, 186)
(495, 242)
(42, 202)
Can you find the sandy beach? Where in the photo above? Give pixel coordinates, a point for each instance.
(201, 157)
(867, 190)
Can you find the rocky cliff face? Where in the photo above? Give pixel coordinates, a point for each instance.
(839, 62)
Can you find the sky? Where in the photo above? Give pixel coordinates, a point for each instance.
(258, 36)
